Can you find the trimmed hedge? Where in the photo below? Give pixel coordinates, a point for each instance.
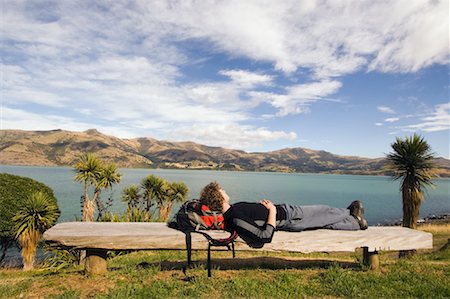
(13, 190)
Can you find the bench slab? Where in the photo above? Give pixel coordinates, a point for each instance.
(156, 235)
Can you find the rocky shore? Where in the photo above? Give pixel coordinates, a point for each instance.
(430, 219)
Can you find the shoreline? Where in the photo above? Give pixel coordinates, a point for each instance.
(430, 219)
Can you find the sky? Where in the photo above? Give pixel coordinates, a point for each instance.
(346, 77)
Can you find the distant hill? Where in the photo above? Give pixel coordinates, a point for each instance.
(61, 148)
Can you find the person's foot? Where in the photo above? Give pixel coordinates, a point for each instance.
(357, 210)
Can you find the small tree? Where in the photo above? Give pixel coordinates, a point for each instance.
(35, 215)
(177, 192)
(131, 196)
(94, 173)
(154, 190)
(412, 162)
(154, 193)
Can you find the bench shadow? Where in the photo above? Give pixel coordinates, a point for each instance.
(272, 263)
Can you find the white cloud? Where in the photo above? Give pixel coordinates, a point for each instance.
(392, 119)
(123, 67)
(387, 36)
(386, 109)
(378, 124)
(439, 120)
(231, 135)
(427, 23)
(247, 79)
(298, 98)
(24, 120)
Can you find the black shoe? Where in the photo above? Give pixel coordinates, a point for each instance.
(357, 210)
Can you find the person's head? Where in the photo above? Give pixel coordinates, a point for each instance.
(213, 196)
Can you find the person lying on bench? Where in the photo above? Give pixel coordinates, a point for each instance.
(256, 223)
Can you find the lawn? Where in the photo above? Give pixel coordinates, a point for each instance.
(157, 274)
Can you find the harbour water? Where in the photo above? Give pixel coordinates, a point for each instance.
(379, 194)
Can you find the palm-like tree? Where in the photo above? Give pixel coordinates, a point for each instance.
(131, 196)
(94, 173)
(36, 214)
(108, 176)
(155, 190)
(177, 192)
(412, 162)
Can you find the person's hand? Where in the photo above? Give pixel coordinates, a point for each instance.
(271, 218)
(268, 204)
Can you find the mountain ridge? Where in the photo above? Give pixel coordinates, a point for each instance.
(61, 148)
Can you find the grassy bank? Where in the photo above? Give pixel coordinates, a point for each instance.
(157, 274)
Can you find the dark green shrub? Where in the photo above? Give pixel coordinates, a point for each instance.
(13, 190)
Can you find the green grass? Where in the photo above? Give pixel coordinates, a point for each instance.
(157, 274)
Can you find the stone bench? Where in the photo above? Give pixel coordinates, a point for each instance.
(99, 237)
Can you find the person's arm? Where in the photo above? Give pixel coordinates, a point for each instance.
(272, 217)
(257, 231)
(253, 234)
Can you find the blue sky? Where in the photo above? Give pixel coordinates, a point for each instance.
(347, 77)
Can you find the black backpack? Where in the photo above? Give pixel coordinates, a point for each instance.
(193, 216)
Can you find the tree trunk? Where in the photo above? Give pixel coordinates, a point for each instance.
(408, 218)
(88, 210)
(29, 242)
(164, 211)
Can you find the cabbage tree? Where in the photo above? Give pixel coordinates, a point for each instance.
(412, 162)
(35, 215)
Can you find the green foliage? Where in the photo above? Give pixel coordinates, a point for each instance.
(133, 214)
(95, 174)
(37, 213)
(58, 258)
(88, 168)
(109, 175)
(177, 192)
(412, 157)
(14, 190)
(153, 194)
(412, 162)
(131, 196)
(155, 190)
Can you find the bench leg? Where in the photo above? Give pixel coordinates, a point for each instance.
(371, 258)
(208, 261)
(188, 239)
(95, 262)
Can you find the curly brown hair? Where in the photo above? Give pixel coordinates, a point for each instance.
(211, 196)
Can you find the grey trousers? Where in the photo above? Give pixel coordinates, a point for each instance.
(299, 218)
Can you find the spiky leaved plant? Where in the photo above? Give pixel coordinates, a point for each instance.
(93, 172)
(177, 192)
(154, 190)
(412, 162)
(35, 215)
(131, 196)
